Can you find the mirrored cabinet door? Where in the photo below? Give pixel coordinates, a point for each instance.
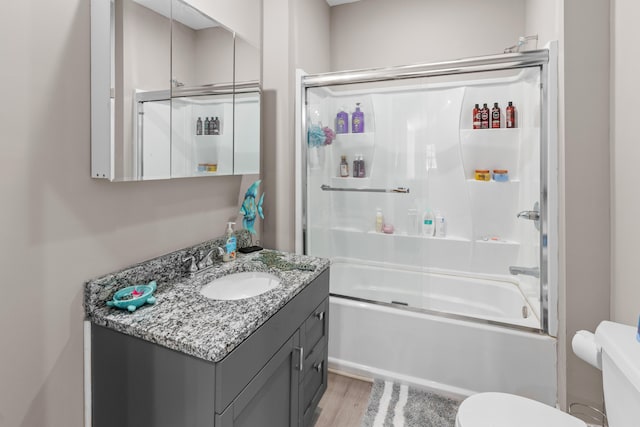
(202, 134)
(246, 146)
(163, 92)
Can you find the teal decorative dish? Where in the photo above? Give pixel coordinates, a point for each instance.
(132, 297)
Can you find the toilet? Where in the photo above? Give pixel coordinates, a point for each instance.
(614, 349)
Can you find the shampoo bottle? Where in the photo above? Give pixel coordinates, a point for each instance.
(215, 126)
(484, 117)
(441, 225)
(428, 225)
(207, 126)
(199, 126)
(342, 121)
(361, 170)
(231, 244)
(379, 220)
(495, 116)
(344, 167)
(511, 115)
(357, 120)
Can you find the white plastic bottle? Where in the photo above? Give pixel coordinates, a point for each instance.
(379, 220)
(441, 225)
(428, 225)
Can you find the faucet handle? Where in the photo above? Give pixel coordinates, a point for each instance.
(206, 260)
(193, 267)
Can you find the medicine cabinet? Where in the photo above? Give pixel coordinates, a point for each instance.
(174, 93)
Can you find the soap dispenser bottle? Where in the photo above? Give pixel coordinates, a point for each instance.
(231, 244)
(357, 120)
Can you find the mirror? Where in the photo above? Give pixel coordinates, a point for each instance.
(247, 108)
(164, 93)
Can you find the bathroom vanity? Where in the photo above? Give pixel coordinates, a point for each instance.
(192, 361)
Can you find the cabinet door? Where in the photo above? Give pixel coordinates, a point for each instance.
(271, 398)
(314, 383)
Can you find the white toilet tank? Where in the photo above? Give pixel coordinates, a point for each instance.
(620, 373)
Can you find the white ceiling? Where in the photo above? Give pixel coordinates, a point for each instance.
(339, 2)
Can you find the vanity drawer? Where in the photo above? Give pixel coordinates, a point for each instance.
(314, 383)
(316, 326)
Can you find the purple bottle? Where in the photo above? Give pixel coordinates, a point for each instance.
(342, 121)
(357, 120)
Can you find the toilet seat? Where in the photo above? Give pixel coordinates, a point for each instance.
(509, 410)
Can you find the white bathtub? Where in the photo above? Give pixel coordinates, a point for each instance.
(498, 300)
(449, 355)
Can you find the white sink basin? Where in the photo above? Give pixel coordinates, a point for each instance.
(239, 286)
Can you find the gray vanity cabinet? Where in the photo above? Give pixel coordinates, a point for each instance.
(274, 378)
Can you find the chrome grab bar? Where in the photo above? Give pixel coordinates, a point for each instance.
(403, 190)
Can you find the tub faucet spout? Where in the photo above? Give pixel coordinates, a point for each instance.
(527, 271)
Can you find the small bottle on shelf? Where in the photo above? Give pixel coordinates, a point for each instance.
(344, 167)
(484, 117)
(342, 121)
(379, 220)
(216, 126)
(428, 226)
(361, 169)
(476, 117)
(356, 167)
(495, 116)
(511, 115)
(207, 126)
(412, 222)
(441, 225)
(357, 120)
(199, 126)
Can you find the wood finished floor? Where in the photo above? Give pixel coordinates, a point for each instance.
(344, 402)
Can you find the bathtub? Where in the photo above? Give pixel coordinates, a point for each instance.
(446, 353)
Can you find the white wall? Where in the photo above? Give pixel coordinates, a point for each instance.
(625, 65)
(59, 227)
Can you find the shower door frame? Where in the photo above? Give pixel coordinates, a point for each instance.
(546, 60)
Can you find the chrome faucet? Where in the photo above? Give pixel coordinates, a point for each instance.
(205, 262)
(527, 271)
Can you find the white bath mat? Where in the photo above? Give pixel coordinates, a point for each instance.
(397, 405)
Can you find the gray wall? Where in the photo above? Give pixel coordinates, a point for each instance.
(586, 184)
(625, 66)
(58, 227)
(377, 33)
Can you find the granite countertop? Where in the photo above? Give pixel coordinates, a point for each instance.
(184, 320)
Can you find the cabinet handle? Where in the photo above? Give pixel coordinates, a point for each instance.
(300, 358)
(318, 367)
(320, 315)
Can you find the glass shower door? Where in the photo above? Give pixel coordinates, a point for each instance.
(459, 205)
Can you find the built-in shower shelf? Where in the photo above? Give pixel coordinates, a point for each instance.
(495, 133)
(497, 183)
(497, 242)
(361, 140)
(418, 236)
